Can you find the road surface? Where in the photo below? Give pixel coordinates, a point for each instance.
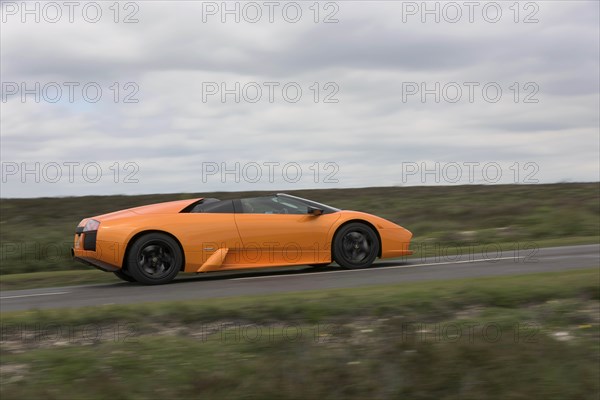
(296, 279)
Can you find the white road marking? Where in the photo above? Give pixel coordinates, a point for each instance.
(380, 268)
(32, 295)
(570, 256)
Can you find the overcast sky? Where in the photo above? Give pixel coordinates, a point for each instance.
(337, 94)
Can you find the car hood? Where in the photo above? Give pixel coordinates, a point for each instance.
(378, 222)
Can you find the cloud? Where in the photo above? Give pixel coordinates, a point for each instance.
(527, 93)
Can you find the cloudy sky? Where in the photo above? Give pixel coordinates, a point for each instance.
(185, 96)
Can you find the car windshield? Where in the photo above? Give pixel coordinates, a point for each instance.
(326, 209)
(281, 204)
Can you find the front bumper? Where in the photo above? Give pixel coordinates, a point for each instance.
(395, 243)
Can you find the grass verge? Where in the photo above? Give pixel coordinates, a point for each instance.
(529, 336)
(34, 280)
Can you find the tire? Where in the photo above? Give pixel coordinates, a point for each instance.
(123, 276)
(355, 246)
(154, 259)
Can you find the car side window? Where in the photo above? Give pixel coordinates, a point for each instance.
(214, 207)
(273, 205)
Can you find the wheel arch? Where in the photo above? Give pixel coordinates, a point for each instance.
(361, 221)
(144, 232)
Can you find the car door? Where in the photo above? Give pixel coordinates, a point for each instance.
(277, 231)
(203, 232)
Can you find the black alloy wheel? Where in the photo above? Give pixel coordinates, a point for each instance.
(154, 258)
(355, 246)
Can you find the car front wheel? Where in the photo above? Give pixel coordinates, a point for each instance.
(355, 246)
(154, 259)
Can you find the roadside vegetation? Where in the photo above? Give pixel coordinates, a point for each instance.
(529, 336)
(36, 234)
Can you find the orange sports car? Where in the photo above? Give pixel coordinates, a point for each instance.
(152, 244)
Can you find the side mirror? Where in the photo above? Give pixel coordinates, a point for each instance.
(314, 211)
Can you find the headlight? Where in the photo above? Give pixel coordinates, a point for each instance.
(91, 225)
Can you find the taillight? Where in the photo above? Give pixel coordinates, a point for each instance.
(91, 225)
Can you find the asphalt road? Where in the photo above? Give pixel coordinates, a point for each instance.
(302, 278)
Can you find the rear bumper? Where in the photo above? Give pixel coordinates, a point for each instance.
(90, 250)
(94, 262)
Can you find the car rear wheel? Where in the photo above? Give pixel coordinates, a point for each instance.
(355, 246)
(123, 275)
(154, 258)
